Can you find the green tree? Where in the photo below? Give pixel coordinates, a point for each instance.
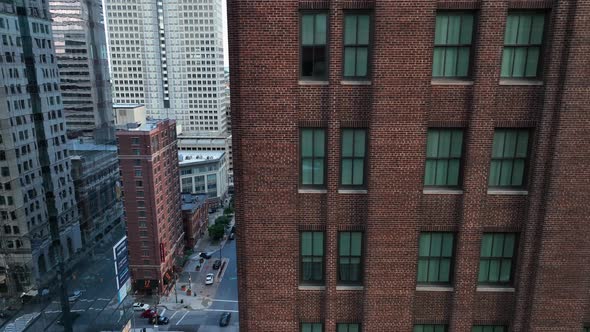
(223, 220)
(216, 231)
(228, 211)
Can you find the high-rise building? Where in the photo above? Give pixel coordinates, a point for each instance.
(424, 164)
(168, 56)
(81, 50)
(37, 203)
(148, 159)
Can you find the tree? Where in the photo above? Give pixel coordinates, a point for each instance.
(216, 231)
(228, 210)
(223, 220)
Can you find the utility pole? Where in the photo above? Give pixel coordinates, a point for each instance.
(175, 281)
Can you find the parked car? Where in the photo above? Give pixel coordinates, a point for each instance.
(209, 279)
(73, 316)
(204, 255)
(74, 296)
(224, 319)
(232, 236)
(159, 320)
(217, 264)
(140, 306)
(150, 313)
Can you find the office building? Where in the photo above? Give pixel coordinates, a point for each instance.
(95, 171)
(40, 224)
(204, 172)
(424, 164)
(168, 56)
(81, 50)
(148, 159)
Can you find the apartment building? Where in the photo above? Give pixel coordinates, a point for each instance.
(425, 164)
(40, 223)
(148, 159)
(168, 56)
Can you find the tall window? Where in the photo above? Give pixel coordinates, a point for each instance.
(312, 327)
(443, 157)
(435, 258)
(350, 247)
(586, 329)
(430, 328)
(489, 328)
(509, 158)
(522, 44)
(496, 258)
(348, 327)
(356, 45)
(314, 51)
(452, 44)
(313, 166)
(312, 257)
(353, 157)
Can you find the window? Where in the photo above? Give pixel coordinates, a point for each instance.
(496, 258)
(509, 158)
(139, 183)
(140, 193)
(443, 157)
(452, 44)
(136, 152)
(522, 44)
(313, 167)
(489, 328)
(435, 258)
(430, 328)
(348, 327)
(353, 157)
(350, 257)
(135, 140)
(137, 172)
(356, 45)
(314, 53)
(586, 329)
(137, 162)
(311, 327)
(312, 257)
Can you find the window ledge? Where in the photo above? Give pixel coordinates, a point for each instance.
(442, 192)
(443, 81)
(352, 191)
(495, 289)
(303, 82)
(311, 287)
(353, 82)
(312, 191)
(508, 81)
(435, 288)
(507, 192)
(349, 287)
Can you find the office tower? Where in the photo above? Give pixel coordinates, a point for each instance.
(148, 159)
(168, 56)
(81, 50)
(411, 165)
(37, 204)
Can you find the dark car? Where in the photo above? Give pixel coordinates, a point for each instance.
(217, 264)
(231, 236)
(224, 319)
(149, 313)
(73, 316)
(204, 255)
(161, 320)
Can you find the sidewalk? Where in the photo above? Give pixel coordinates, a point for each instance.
(201, 294)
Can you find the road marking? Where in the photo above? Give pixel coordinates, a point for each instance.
(233, 301)
(52, 311)
(99, 299)
(221, 310)
(180, 320)
(163, 311)
(78, 310)
(174, 314)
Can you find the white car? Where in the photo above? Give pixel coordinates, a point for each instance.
(209, 279)
(74, 296)
(140, 306)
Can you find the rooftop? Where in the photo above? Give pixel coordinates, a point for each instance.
(127, 105)
(190, 202)
(189, 157)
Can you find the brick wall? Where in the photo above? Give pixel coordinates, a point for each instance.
(552, 278)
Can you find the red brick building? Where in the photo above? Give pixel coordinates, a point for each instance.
(195, 218)
(148, 160)
(411, 165)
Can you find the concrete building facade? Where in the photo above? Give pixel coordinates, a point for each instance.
(168, 56)
(204, 173)
(81, 50)
(425, 164)
(148, 159)
(40, 223)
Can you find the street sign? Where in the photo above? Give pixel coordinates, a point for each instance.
(121, 259)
